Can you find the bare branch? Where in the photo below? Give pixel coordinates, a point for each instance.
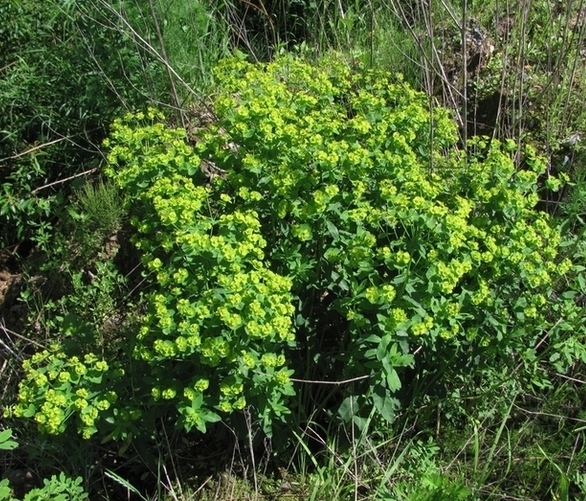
(60, 181)
(35, 148)
(335, 383)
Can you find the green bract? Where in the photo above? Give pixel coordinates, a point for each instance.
(348, 239)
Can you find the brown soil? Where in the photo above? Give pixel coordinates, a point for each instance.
(10, 287)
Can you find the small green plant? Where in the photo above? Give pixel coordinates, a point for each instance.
(57, 488)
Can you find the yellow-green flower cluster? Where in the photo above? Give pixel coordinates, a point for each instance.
(140, 145)
(449, 274)
(272, 360)
(419, 328)
(303, 232)
(380, 295)
(218, 299)
(283, 377)
(56, 386)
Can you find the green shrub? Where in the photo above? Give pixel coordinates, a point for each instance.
(219, 310)
(348, 240)
(402, 250)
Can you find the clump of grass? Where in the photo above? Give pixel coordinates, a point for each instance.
(101, 207)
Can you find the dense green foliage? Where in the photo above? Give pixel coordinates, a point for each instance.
(317, 258)
(384, 254)
(57, 101)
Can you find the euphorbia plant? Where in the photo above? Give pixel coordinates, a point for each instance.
(348, 239)
(396, 242)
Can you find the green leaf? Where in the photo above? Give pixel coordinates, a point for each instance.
(30, 411)
(373, 338)
(348, 408)
(384, 403)
(211, 417)
(333, 231)
(5, 440)
(382, 352)
(393, 381)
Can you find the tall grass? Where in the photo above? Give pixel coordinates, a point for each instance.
(195, 37)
